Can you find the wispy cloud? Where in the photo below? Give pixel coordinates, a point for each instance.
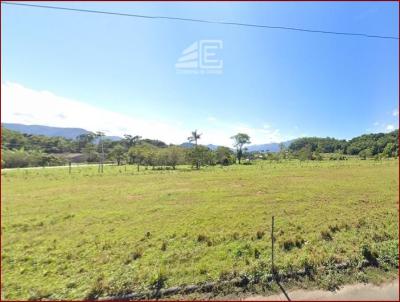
(395, 112)
(389, 127)
(27, 106)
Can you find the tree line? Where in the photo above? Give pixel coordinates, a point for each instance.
(375, 145)
(24, 150)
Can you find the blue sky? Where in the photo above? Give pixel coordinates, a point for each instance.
(118, 74)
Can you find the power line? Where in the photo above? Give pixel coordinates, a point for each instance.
(205, 21)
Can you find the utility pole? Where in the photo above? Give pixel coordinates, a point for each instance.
(102, 155)
(100, 134)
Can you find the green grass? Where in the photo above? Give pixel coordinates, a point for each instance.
(85, 234)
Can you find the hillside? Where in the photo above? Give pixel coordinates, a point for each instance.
(271, 147)
(69, 133)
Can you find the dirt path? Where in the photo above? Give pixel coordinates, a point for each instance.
(384, 292)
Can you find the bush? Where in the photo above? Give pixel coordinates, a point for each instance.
(204, 238)
(21, 159)
(158, 280)
(291, 243)
(326, 235)
(260, 234)
(14, 159)
(370, 255)
(137, 254)
(337, 156)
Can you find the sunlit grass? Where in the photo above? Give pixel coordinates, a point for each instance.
(81, 234)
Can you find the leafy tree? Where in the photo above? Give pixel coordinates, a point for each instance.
(389, 150)
(155, 142)
(316, 156)
(305, 153)
(224, 156)
(240, 140)
(272, 156)
(15, 158)
(118, 153)
(174, 156)
(321, 145)
(84, 139)
(365, 153)
(198, 156)
(140, 154)
(90, 152)
(151, 155)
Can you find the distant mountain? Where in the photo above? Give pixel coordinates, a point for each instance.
(212, 147)
(272, 147)
(70, 133)
(187, 145)
(191, 145)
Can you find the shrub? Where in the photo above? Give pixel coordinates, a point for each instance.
(137, 254)
(204, 238)
(326, 235)
(291, 243)
(334, 228)
(370, 255)
(158, 280)
(260, 234)
(99, 287)
(337, 156)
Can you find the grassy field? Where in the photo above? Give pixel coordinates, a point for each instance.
(86, 235)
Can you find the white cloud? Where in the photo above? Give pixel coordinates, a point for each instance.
(376, 124)
(220, 133)
(389, 128)
(395, 112)
(211, 119)
(27, 106)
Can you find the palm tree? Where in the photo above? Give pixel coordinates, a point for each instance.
(193, 138)
(131, 140)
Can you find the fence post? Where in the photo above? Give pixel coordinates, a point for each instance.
(272, 248)
(69, 168)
